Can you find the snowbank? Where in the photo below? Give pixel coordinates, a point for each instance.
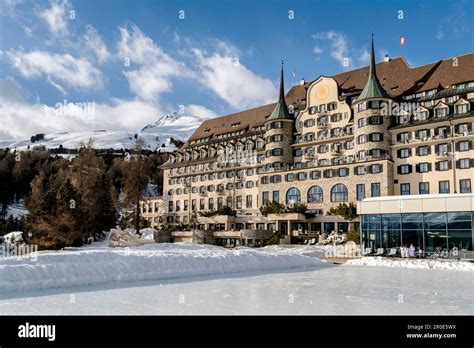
(128, 237)
(149, 262)
(14, 238)
(412, 263)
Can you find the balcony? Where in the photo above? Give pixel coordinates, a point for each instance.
(336, 153)
(442, 155)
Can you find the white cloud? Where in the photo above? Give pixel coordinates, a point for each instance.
(439, 34)
(58, 68)
(155, 67)
(28, 31)
(8, 7)
(317, 50)
(199, 110)
(94, 42)
(25, 118)
(56, 17)
(339, 49)
(223, 73)
(364, 58)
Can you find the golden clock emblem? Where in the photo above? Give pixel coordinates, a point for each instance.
(322, 92)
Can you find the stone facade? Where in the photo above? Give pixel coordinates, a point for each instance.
(335, 149)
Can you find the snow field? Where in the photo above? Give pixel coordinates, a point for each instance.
(413, 263)
(66, 268)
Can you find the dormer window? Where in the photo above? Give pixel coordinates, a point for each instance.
(422, 115)
(441, 112)
(462, 109)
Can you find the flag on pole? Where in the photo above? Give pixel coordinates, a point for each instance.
(402, 40)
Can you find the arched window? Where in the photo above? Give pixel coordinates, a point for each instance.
(293, 196)
(339, 193)
(315, 194)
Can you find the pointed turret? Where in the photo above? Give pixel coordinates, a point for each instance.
(281, 109)
(373, 88)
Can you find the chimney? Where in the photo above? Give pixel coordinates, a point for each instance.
(386, 59)
(302, 82)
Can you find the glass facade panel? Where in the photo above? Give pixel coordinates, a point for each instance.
(461, 239)
(391, 230)
(329, 227)
(430, 232)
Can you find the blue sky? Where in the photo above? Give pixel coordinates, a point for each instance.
(137, 60)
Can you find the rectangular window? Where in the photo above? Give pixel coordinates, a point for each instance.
(211, 203)
(343, 171)
(265, 197)
(248, 202)
(376, 137)
(202, 204)
(465, 186)
(461, 109)
(170, 206)
(424, 188)
(361, 139)
(376, 168)
(276, 196)
(443, 165)
(229, 201)
(375, 189)
(404, 169)
(463, 145)
(423, 167)
(443, 186)
(464, 163)
(359, 170)
(360, 192)
(193, 204)
(289, 177)
(403, 137)
(423, 150)
(239, 202)
(405, 189)
(442, 149)
(301, 176)
(404, 153)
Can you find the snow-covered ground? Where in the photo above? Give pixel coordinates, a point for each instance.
(202, 279)
(331, 290)
(83, 266)
(16, 210)
(156, 135)
(450, 265)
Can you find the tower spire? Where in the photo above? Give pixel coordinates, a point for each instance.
(281, 109)
(373, 88)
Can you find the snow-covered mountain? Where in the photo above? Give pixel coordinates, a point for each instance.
(156, 135)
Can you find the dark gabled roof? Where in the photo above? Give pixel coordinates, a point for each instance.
(396, 77)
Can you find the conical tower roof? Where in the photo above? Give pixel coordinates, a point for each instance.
(281, 109)
(373, 88)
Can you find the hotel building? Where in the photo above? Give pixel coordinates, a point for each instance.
(383, 130)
